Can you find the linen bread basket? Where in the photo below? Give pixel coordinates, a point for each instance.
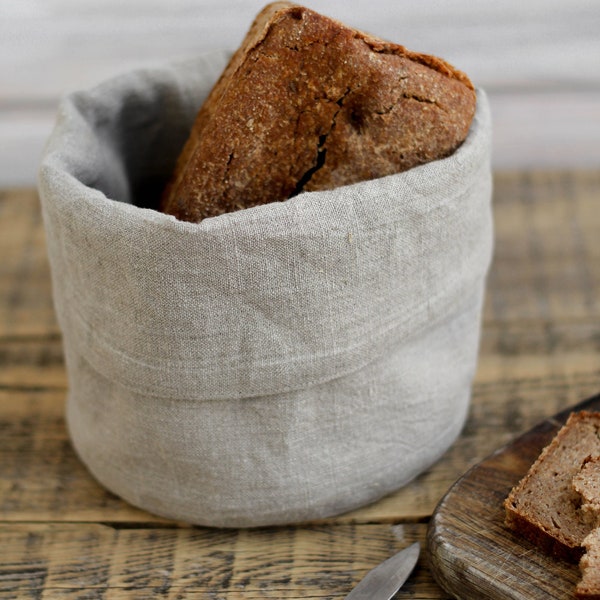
(272, 365)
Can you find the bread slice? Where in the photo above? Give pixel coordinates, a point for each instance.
(587, 485)
(544, 506)
(588, 588)
(307, 103)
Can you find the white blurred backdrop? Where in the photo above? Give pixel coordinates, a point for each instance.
(539, 60)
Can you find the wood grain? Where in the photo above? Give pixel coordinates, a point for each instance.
(545, 265)
(106, 560)
(538, 59)
(63, 536)
(472, 553)
(41, 478)
(25, 289)
(546, 272)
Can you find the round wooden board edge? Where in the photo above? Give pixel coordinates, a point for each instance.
(464, 585)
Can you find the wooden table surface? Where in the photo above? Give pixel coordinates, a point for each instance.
(539, 62)
(63, 536)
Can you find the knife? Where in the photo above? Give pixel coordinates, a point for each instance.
(382, 582)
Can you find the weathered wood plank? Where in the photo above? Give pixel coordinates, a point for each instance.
(519, 351)
(499, 411)
(32, 362)
(42, 479)
(512, 350)
(546, 267)
(64, 536)
(25, 290)
(539, 353)
(53, 560)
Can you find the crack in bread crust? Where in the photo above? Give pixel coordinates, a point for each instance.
(309, 104)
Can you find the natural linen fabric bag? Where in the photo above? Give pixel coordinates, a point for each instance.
(272, 365)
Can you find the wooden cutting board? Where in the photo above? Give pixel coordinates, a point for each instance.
(472, 554)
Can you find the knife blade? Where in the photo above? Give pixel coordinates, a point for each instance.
(383, 581)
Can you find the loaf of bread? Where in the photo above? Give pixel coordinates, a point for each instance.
(588, 588)
(544, 506)
(307, 104)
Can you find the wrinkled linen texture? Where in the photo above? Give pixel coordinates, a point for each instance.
(281, 363)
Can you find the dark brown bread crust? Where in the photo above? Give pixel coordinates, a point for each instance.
(307, 103)
(544, 507)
